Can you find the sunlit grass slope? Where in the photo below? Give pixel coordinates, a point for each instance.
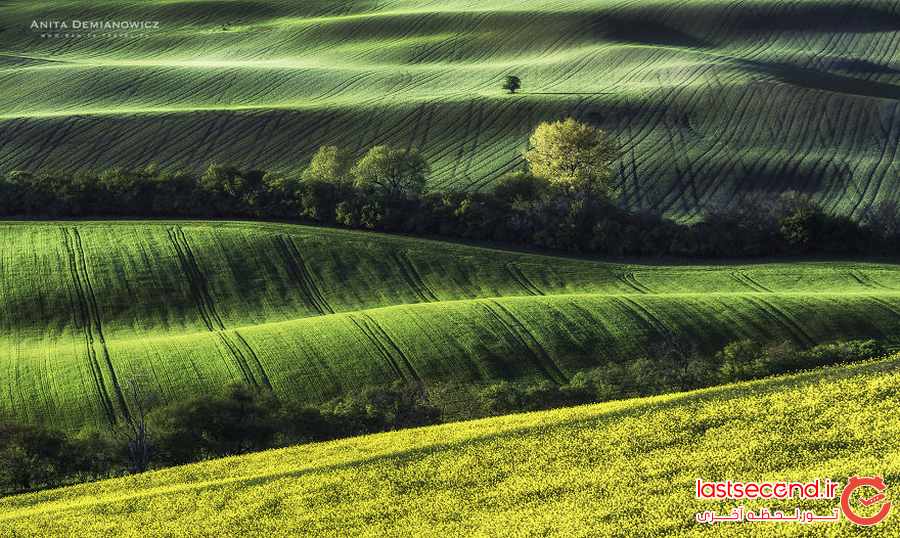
(617, 469)
(88, 309)
(715, 102)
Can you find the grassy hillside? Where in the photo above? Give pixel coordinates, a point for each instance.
(618, 469)
(715, 102)
(182, 307)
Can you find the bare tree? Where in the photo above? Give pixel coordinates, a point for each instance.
(133, 429)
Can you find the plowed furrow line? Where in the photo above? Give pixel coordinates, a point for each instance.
(84, 321)
(378, 345)
(238, 357)
(196, 280)
(301, 275)
(261, 371)
(514, 327)
(413, 278)
(519, 277)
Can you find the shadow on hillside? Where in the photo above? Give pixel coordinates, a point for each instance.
(637, 27)
(838, 16)
(821, 80)
(859, 66)
(818, 17)
(695, 25)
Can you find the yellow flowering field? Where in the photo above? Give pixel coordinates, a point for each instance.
(624, 468)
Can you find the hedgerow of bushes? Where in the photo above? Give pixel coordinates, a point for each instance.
(244, 420)
(520, 209)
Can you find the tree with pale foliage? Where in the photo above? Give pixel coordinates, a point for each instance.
(392, 171)
(573, 155)
(330, 164)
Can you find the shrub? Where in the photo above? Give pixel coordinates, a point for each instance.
(301, 423)
(32, 456)
(381, 409)
(838, 352)
(742, 360)
(500, 398)
(240, 421)
(520, 187)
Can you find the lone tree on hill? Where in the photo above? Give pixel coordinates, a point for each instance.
(573, 155)
(512, 83)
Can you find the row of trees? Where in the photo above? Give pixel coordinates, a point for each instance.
(245, 419)
(565, 201)
(678, 366)
(241, 420)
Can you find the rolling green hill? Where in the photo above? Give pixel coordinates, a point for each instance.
(623, 468)
(180, 307)
(715, 102)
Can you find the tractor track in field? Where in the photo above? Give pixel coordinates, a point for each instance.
(199, 286)
(413, 277)
(264, 377)
(777, 314)
(379, 332)
(743, 278)
(868, 281)
(239, 358)
(196, 280)
(521, 335)
(92, 328)
(386, 347)
(894, 311)
(246, 358)
(301, 274)
(650, 319)
(522, 280)
(630, 280)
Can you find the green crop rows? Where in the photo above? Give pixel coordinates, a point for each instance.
(614, 469)
(181, 308)
(715, 102)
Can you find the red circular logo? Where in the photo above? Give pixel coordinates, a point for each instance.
(874, 482)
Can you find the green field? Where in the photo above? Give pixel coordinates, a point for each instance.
(188, 307)
(623, 468)
(715, 102)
